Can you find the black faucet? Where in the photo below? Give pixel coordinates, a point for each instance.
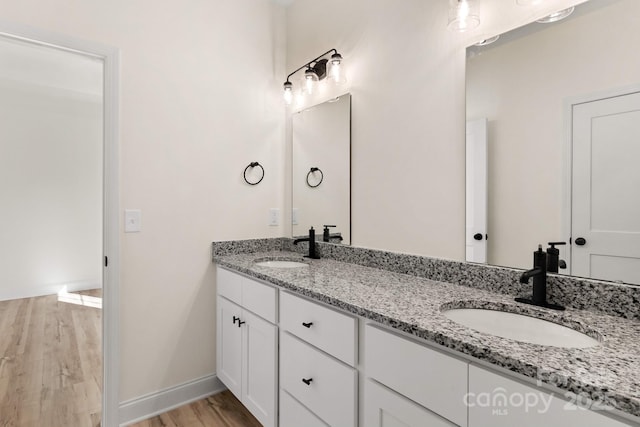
(327, 236)
(312, 244)
(539, 274)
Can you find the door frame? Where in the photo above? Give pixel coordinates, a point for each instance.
(567, 156)
(110, 221)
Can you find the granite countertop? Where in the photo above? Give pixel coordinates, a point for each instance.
(607, 374)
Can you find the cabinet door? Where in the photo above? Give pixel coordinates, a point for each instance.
(260, 368)
(229, 346)
(385, 408)
(498, 401)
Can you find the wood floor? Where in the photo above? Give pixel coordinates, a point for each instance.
(220, 410)
(51, 361)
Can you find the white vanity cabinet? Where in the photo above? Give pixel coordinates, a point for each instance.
(247, 343)
(428, 384)
(498, 401)
(315, 343)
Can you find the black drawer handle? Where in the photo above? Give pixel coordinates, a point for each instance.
(307, 381)
(307, 325)
(235, 319)
(240, 323)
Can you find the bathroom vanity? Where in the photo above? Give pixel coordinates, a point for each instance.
(342, 344)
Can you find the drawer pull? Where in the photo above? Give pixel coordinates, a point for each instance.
(307, 381)
(307, 325)
(235, 319)
(240, 322)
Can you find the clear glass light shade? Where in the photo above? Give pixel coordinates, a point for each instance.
(288, 93)
(310, 80)
(335, 69)
(463, 15)
(557, 16)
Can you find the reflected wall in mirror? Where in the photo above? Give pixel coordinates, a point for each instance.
(322, 170)
(563, 137)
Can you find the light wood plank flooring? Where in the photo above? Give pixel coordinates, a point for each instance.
(51, 361)
(219, 410)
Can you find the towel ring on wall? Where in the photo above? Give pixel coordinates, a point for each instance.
(253, 165)
(313, 170)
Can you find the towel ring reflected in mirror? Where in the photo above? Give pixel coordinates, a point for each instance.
(251, 166)
(313, 170)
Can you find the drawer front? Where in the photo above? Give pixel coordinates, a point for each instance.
(294, 414)
(434, 380)
(327, 329)
(331, 389)
(261, 299)
(229, 285)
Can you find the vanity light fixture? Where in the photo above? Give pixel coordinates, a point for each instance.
(557, 16)
(319, 68)
(463, 15)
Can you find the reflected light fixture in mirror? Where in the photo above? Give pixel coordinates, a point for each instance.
(463, 15)
(557, 16)
(317, 70)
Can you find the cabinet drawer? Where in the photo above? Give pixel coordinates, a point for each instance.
(327, 329)
(434, 380)
(229, 285)
(294, 414)
(252, 295)
(331, 392)
(260, 299)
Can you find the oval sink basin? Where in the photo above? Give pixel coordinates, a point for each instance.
(520, 328)
(281, 264)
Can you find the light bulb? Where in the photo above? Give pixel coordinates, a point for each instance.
(336, 69)
(310, 79)
(463, 15)
(288, 93)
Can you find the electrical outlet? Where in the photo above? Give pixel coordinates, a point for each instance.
(274, 216)
(294, 216)
(132, 220)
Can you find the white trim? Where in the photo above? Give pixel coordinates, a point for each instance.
(152, 404)
(111, 275)
(567, 155)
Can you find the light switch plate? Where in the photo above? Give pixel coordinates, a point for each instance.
(294, 216)
(274, 216)
(132, 220)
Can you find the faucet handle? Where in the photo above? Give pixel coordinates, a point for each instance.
(554, 244)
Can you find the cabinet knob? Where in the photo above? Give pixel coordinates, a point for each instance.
(307, 325)
(581, 241)
(240, 323)
(235, 319)
(307, 381)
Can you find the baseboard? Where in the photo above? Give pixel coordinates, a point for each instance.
(18, 292)
(152, 404)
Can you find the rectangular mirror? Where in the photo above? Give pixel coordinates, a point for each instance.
(562, 107)
(322, 170)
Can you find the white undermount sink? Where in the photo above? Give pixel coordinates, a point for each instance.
(520, 327)
(281, 264)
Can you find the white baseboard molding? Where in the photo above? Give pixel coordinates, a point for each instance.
(19, 292)
(152, 404)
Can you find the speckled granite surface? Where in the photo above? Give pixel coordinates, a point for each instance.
(607, 374)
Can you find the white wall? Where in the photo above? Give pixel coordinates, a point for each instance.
(522, 90)
(406, 75)
(200, 99)
(50, 172)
